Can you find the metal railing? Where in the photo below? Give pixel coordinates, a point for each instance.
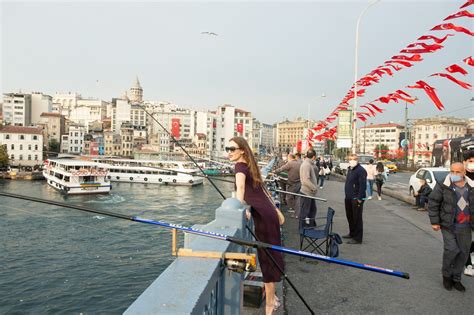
(200, 285)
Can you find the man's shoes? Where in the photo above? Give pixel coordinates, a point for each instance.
(448, 283)
(353, 241)
(320, 187)
(380, 198)
(469, 271)
(421, 209)
(370, 197)
(415, 207)
(458, 286)
(347, 236)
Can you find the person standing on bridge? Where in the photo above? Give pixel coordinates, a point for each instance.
(309, 188)
(292, 167)
(356, 184)
(250, 190)
(451, 210)
(469, 166)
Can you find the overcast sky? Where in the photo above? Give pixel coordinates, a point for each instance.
(271, 58)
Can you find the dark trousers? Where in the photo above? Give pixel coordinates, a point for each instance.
(469, 261)
(354, 218)
(291, 200)
(379, 187)
(456, 251)
(307, 209)
(420, 201)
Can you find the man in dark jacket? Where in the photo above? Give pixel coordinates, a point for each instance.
(292, 167)
(356, 184)
(451, 210)
(469, 166)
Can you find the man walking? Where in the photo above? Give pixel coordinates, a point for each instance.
(292, 168)
(309, 188)
(356, 184)
(451, 210)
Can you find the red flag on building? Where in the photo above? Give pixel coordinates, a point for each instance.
(175, 128)
(240, 128)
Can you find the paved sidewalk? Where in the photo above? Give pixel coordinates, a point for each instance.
(395, 237)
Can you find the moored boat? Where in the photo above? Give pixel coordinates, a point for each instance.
(72, 177)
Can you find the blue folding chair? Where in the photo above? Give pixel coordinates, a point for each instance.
(317, 237)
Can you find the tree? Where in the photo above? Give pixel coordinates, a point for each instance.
(381, 151)
(3, 156)
(54, 145)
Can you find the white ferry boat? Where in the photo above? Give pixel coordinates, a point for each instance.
(177, 173)
(71, 176)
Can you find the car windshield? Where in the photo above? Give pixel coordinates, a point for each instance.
(440, 175)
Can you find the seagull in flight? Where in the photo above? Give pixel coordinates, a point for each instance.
(209, 33)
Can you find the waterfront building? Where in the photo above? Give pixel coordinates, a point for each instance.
(112, 144)
(426, 131)
(24, 145)
(40, 103)
(289, 132)
(126, 137)
(87, 111)
(17, 109)
(75, 138)
(231, 122)
(371, 138)
(64, 102)
(262, 139)
(53, 125)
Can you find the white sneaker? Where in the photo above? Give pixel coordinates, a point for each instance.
(380, 198)
(320, 187)
(370, 197)
(469, 271)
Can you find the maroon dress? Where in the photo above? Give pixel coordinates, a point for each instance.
(267, 226)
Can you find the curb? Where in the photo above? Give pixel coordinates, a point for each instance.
(389, 192)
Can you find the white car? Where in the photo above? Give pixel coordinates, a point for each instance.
(432, 175)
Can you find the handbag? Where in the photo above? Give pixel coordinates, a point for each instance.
(379, 177)
(281, 217)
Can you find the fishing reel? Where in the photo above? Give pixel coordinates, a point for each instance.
(237, 265)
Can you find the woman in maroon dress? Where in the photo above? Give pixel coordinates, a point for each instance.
(250, 190)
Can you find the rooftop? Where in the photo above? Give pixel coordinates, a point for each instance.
(382, 126)
(20, 129)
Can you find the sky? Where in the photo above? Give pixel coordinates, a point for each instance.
(273, 58)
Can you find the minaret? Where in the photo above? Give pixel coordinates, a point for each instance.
(136, 92)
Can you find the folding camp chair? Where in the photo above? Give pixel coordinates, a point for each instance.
(317, 237)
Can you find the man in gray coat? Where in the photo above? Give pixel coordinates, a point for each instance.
(309, 188)
(292, 168)
(451, 210)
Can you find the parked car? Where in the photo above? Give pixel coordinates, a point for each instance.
(432, 175)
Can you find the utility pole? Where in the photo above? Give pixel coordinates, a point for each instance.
(365, 131)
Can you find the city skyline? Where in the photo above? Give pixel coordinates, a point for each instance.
(265, 55)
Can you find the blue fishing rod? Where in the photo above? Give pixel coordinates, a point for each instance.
(218, 236)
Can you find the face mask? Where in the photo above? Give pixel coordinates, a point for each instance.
(352, 163)
(470, 167)
(456, 178)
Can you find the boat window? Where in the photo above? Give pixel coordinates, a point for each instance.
(156, 172)
(59, 175)
(51, 173)
(66, 178)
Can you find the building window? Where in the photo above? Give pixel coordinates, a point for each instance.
(35, 137)
(29, 147)
(29, 157)
(21, 157)
(22, 137)
(36, 147)
(7, 137)
(13, 147)
(36, 157)
(12, 157)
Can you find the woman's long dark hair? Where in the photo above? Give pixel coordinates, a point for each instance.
(249, 158)
(380, 168)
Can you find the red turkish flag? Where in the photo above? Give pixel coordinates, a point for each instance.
(459, 14)
(469, 61)
(456, 69)
(468, 3)
(465, 85)
(437, 40)
(402, 62)
(430, 91)
(380, 110)
(451, 26)
(240, 128)
(175, 128)
(416, 57)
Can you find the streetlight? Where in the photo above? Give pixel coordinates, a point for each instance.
(354, 106)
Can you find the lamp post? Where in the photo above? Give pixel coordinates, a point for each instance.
(354, 106)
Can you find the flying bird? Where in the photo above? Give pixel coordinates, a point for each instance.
(209, 33)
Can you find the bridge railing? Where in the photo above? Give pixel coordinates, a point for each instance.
(200, 285)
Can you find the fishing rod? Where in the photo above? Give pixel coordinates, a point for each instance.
(280, 269)
(218, 236)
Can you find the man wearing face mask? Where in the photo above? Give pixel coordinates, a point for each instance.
(451, 210)
(356, 184)
(469, 166)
